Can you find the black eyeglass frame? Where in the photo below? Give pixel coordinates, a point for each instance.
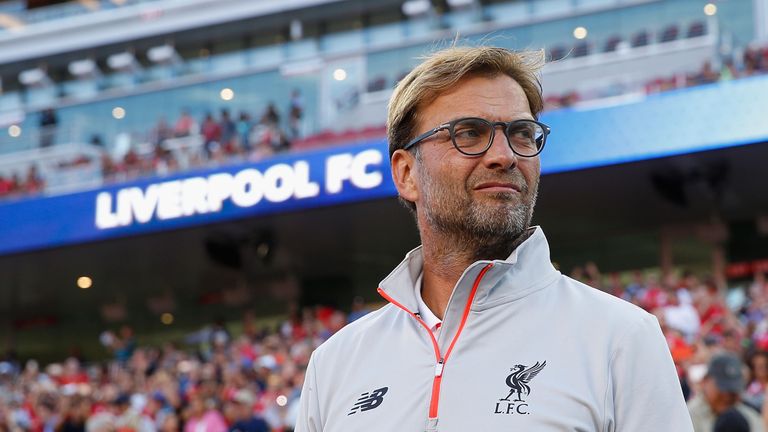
(507, 126)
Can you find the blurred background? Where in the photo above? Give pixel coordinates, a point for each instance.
(195, 193)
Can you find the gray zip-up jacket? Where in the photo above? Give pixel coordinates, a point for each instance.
(522, 347)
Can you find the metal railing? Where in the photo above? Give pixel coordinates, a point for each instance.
(62, 11)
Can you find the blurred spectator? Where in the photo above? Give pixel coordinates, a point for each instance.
(615, 286)
(753, 61)
(170, 423)
(731, 421)
(161, 132)
(270, 116)
(594, 278)
(96, 140)
(267, 136)
(754, 395)
(359, 309)
(577, 273)
(655, 295)
(48, 123)
(129, 415)
(162, 162)
(211, 131)
(184, 125)
(680, 315)
(131, 163)
(728, 71)
(72, 373)
(228, 131)
(759, 287)
(123, 347)
(75, 410)
(6, 186)
(244, 419)
(706, 75)
(108, 168)
(636, 289)
(712, 310)
(243, 129)
(295, 114)
(11, 186)
(158, 409)
(202, 415)
(720, 391)
(33, 183)
(15, 184)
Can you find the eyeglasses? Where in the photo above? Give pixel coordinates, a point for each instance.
(473, 136)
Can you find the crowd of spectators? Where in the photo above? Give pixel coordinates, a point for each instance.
(13, 185)
(754, 61)
(225, 138)
(217, 382)
(251, 381)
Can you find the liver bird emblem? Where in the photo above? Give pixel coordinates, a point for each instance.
(519, 378)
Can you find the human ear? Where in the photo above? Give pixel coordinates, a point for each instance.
(403, 174)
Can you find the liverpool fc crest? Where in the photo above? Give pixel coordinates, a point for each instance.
(519, 388)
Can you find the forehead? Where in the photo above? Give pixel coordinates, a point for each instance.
(495, 98)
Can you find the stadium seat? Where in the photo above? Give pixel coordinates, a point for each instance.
(696, 29)
(612, 43)
(581, 49)
(669, 33)
(641, 38)
(377, 84)
(557, 53)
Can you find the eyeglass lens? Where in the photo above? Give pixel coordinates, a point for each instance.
(473, 136)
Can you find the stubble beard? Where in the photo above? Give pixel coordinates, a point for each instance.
(480, 229)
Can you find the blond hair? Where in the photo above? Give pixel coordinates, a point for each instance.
(443, 69)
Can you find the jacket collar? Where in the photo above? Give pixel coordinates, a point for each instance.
(527, 269)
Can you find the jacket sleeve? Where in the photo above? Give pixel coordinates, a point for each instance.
(309, 406)
(646, 390)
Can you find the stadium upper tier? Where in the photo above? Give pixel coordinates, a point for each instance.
(336, 70)
(341, 77)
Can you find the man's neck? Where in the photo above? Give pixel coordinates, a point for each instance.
(446, 258)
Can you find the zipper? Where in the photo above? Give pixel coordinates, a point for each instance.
(440, 360)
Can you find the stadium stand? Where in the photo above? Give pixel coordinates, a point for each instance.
(222, 378)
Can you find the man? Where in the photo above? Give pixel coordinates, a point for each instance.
(48, 123)
(482, 333)
(718, 397)
(244, 420)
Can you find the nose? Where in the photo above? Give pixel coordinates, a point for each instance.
(500, 154)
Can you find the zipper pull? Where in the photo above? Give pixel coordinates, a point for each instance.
(439, 368)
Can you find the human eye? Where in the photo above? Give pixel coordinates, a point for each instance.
(470, 129)
(523, 131)
(526, 137)
(467, 132)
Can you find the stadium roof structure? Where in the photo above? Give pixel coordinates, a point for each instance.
(172, 19)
